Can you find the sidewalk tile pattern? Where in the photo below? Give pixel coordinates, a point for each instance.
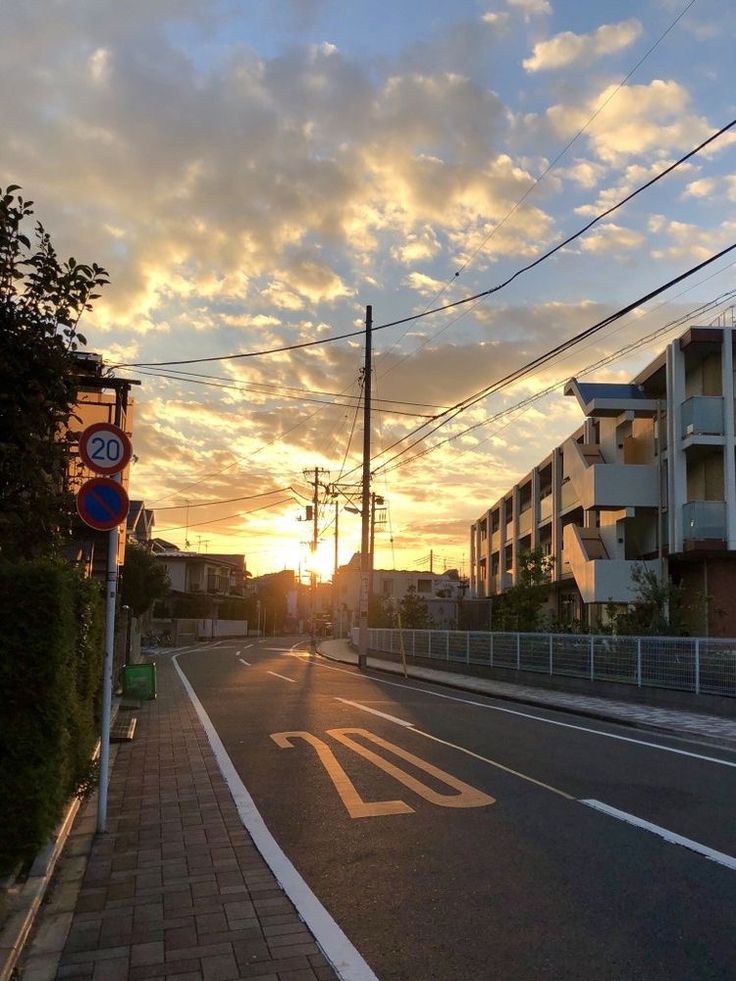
(176, 888)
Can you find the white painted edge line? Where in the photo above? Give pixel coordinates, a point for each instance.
(539, 718)
(383, 715)
(246, 663)
(344, 957)
(727, 860)
(282, 676)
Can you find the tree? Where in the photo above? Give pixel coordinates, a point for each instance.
(520, 606)
(144, 580)
(413, 611)
(660, 608)
(381, 611)
(41, 303)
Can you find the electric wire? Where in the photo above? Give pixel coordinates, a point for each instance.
(535, 183)
(455, 303)
(443, 418)
(227, 500)
(229, 517)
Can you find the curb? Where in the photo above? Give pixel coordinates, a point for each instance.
(21, 921)
(722, 743)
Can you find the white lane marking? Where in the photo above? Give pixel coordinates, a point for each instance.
(246, 663)
(728, 860)
(383, 715)
(343, 956)
(283, 676)
(540, 718)
(247, 646)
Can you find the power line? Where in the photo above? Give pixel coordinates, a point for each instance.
(278, 395)
(504, 381)
(526, 403)
(229, 517)
(535, 183)
(228, 500)
(455, 303)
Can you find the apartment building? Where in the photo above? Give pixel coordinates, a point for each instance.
(648, 478)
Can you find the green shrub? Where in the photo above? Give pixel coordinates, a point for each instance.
(50, 682)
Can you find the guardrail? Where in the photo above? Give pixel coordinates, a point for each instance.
(694, 664)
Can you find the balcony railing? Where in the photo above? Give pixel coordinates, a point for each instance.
(704, 520)
(702, 415)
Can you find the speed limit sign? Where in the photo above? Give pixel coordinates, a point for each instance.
(105, 448)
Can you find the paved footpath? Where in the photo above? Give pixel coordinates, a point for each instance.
(176, 888)
(698, 725)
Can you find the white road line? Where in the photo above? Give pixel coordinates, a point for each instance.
(343, 956)
(539, 718)
(728, 860)
(383, 715)
(283, 676)
(246, 663)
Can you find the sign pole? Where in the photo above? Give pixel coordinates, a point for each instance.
(110, 598)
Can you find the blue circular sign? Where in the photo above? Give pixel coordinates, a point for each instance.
(102, 503)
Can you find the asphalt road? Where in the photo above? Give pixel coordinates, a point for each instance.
(459, 846)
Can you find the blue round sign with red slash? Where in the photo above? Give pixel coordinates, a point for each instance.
(102, 503)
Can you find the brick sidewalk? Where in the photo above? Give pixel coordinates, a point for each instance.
(176, 887)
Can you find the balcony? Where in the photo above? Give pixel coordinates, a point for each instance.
(611, 486)
(704, 521)
(702, 415)
(599, 579)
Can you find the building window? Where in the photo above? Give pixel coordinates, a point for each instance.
(388, 587)
(424, 585)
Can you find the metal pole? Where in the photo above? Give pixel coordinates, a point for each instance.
(110, 596)
(365, 498)
(335, 596)
(313, 571)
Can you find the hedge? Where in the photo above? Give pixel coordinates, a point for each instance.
(50, 684)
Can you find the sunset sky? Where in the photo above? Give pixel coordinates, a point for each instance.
(252, 173)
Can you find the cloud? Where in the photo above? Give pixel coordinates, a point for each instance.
(566, 49)
(612, 238)
(701, 188)
(638, 119)
(529, 7)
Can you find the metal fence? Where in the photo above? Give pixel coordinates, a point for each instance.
(695, 664)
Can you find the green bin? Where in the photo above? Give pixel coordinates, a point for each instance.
(139, 680)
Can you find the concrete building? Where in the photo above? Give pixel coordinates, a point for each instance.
(649, 477)
(440, 591)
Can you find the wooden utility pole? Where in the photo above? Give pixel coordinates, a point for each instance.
(335, 595)
(312, 570)
(365, 499)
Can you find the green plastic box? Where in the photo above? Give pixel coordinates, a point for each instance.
(139, 681)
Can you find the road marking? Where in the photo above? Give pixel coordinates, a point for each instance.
(499, 766)
(674, 839)
(465, 796)
(246, 663)
(383, 715)
(540, 718)
(343, 956)
(354, 803)
(283, 676)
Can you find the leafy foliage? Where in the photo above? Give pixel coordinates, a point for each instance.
(50, 668)
(520, 606)
(413, 611)
(381, 611)
(660, 608)
(144, 580)
(42, 300)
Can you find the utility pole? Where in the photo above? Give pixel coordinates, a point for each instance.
(365, 499)
(313, 516)
(335, 594)
(312, 570)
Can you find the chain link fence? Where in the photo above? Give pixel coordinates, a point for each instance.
(695, 664)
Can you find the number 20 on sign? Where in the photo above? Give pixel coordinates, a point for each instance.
(105, 448)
